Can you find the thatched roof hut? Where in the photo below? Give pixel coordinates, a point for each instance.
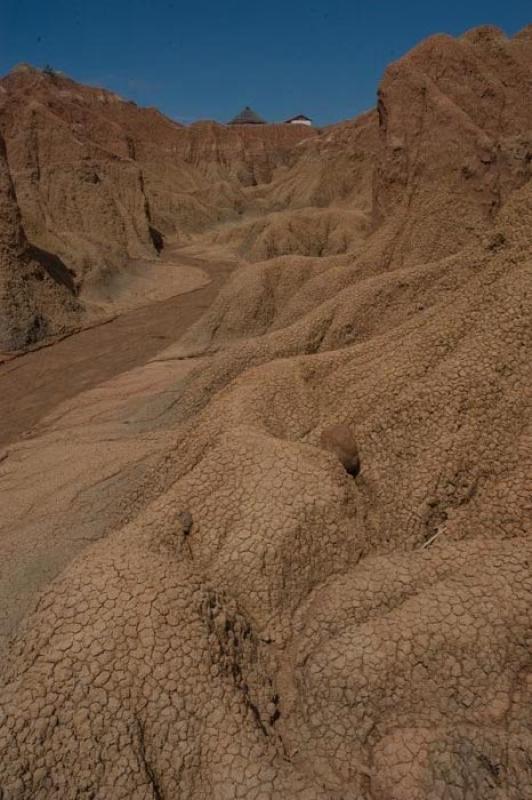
(247, 117)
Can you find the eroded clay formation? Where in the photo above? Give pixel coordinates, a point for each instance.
(255, 623)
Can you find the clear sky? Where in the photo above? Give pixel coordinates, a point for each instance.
(208, 58)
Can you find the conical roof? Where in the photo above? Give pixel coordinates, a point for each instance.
(247, 117)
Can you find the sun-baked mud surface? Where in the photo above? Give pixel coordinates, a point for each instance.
(289, 558)
(69, 403)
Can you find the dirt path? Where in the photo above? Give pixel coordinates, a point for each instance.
(32, 385)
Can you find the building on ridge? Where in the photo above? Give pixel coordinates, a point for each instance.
(247, 117)
(300, 119)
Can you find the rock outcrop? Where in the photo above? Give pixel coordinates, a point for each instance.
(100, 182)
(456, 141)
(37, 291)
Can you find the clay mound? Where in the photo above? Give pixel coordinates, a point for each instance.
(335, 168)
(307, 614)
(102, 183)
(37, 291)
(99, 180)
(456, 141)
(311, 232)
(77, 197)
(308, 634)
(255, 298)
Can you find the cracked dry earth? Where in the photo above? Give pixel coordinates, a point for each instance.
(240, 617)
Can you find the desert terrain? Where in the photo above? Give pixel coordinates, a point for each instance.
(266, 443)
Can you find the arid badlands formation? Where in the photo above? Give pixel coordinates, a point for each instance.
(283, 550)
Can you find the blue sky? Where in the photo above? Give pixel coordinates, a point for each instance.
(207, 58)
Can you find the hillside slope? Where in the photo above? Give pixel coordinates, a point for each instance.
(255, 622)
(101, 183)
(38, 293)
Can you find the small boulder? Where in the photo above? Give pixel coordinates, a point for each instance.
(338, 439)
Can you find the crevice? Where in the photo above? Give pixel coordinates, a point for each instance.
(236, 654)
(156, 236)
(150, 771)
(55, 268)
